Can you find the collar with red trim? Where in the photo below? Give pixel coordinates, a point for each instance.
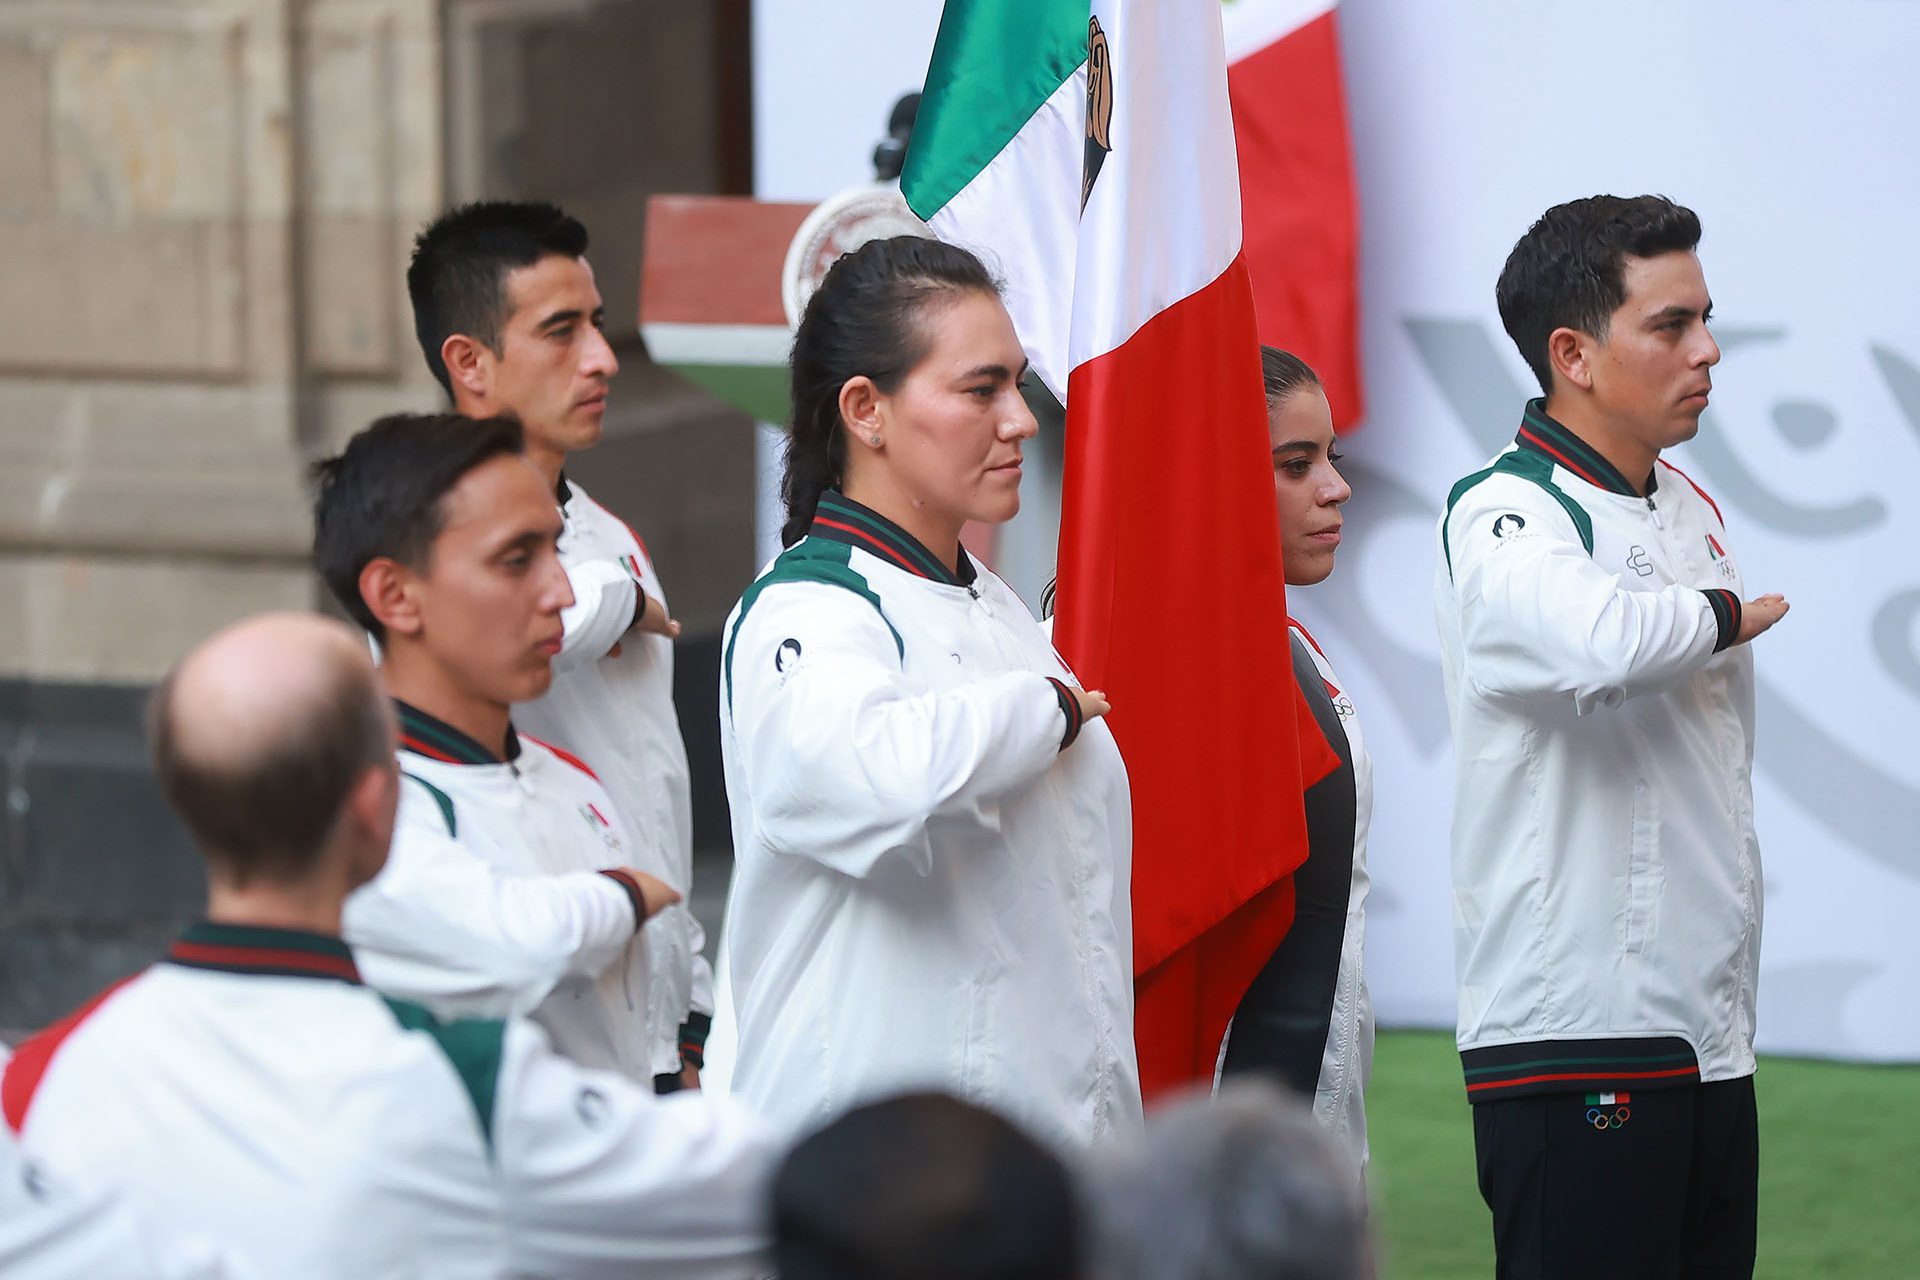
(839, 518)
(282, 953)
(435, 739)
(1540, 433)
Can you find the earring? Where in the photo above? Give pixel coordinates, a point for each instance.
(873, 440)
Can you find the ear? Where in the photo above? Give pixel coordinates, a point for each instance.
(370, 810)
(391, 593)
(861, 405)
(1570, 352)
(469, 365)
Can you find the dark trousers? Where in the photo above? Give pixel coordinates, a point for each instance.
(1663, 1188)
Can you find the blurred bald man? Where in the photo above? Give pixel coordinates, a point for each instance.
(248, 1087)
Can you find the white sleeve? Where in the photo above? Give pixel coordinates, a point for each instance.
(702, 997)
(601, 1178)
(604, 597)
(441, 926)
(1540, 619)
(846, 758)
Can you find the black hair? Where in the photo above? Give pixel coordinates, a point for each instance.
(1569, 270)
(1284, 374)
(924, 1187)
(382, 495)
(867, 317)
(458, 277)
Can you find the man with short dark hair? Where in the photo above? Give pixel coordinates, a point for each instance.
(509, 319)
(509, 890)
(1606, 875)
(923, 1186)
(248, 1089)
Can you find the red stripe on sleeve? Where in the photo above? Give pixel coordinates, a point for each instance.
(31, 1059)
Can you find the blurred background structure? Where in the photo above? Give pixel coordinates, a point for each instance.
(206, 209)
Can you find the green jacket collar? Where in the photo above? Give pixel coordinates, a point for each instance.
(1540, 433)
(434, 738)
(285, 953)
(839, 518)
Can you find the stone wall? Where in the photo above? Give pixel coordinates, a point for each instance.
(206, 208)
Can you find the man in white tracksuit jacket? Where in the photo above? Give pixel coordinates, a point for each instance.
(1606, 874)
(509, 320)
(509, 890)
(250, 1090)
(615, 711)
(931, 880)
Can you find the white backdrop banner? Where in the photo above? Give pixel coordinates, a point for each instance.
(1786, 124)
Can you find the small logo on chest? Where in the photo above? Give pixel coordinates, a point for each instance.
(600, 824)
(1718, 554)
(1639, 561)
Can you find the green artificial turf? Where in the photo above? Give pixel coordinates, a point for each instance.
(1839, 1168)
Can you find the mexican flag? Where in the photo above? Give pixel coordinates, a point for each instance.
(1300, 215)
(1086, 150)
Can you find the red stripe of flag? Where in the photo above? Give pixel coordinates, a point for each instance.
(1200, 758)
(1299, 210)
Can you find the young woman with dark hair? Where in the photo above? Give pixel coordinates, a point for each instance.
(1307, 1019)
(931, 824)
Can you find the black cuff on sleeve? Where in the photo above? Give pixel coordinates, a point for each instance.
(624, 878)
(1070, 708)
(1726, 615)
(693, 1039)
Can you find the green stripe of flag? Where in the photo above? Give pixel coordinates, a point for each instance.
(994, 63)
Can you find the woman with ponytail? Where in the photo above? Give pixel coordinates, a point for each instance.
(931, 823)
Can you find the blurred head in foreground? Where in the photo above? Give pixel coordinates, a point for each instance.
(1242, 1186)
(923, 1187)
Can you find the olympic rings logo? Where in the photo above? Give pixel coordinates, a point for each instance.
(1602, 1119)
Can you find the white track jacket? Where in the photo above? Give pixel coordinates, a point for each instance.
(1606, 876)
(249, 1089)
(929, 889)
(617, 714)
(505, 893)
